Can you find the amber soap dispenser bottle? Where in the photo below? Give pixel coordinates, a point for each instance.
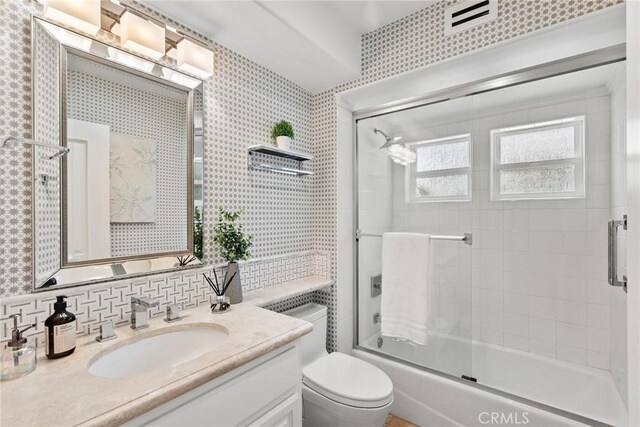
(60, 331)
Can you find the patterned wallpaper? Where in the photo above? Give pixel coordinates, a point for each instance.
(241, 102)
(46, 189)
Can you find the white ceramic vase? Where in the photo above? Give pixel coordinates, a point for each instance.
(284, 142)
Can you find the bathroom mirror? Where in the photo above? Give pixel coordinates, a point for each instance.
(124, 200)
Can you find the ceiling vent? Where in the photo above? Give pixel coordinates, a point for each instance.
(469, 14)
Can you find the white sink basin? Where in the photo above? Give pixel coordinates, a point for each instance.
(159, 351)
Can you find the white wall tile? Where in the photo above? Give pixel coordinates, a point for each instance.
(543, 308)
(573, 312)
(516, 341)
(543, 348)
(598, 360)
(516, 324)
(572, 335)
(572, 354)
(543, 330)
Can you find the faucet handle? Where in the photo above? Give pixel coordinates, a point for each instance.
(144, 301)
(173, 313)
(106, 331)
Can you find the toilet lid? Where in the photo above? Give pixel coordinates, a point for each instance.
(348, 380)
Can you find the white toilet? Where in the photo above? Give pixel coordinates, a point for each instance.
(338, 389)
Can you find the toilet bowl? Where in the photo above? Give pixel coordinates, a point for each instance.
(338, 389)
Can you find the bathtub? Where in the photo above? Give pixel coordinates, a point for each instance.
(513, 387)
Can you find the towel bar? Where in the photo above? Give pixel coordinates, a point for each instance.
(467, 238)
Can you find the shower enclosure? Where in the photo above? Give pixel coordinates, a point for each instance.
(515, 179)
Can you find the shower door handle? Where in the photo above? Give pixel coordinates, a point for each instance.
(613, 252)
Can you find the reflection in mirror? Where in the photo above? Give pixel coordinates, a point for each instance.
(126, 173)
(198, 172)
(128, 198)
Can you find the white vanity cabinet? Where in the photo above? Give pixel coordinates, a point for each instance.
(265, 392)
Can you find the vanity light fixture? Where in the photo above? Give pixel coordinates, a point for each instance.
(194, 59)
(83, 15)
(142, 36)
(137, 32)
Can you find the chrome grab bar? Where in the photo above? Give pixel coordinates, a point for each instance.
(467, 238)
(613, 252)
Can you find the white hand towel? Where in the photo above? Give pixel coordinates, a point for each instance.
(405, 286)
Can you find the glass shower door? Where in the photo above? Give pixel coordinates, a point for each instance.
(384, 205)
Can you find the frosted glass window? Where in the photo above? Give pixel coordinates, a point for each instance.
(442, 171)
(538, 145)
(538, 180)
(448, 185)
(538, 161)
(435, 157)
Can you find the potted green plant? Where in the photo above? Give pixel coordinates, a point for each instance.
(234, 246)
(282, 132)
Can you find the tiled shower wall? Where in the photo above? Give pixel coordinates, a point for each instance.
(535, 278)
(406, 44)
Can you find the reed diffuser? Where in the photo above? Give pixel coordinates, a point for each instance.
(221, 302)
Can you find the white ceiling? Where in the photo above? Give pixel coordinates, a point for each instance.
(316, 44)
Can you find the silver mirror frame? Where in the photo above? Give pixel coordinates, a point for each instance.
(109, 269)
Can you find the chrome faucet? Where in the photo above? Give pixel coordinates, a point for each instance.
(140, 312)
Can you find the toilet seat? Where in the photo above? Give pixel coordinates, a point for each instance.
(349, 381)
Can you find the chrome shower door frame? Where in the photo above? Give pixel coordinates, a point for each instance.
(596, 58)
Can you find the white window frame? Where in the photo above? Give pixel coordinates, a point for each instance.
(411, 174)
(578, 161)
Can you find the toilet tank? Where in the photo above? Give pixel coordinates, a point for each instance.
(314, 344)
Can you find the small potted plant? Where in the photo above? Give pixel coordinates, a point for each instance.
(283, 133)
(234, 245)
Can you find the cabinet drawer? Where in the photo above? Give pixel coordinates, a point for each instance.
(230, 403)
(287, 413)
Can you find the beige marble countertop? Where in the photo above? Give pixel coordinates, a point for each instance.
(63, 392)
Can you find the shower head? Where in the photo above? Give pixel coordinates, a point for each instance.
(397, 152)
(389, 140)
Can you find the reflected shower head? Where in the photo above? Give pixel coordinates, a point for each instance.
(390, 140)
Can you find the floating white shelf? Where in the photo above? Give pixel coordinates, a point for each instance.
(277, 152)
